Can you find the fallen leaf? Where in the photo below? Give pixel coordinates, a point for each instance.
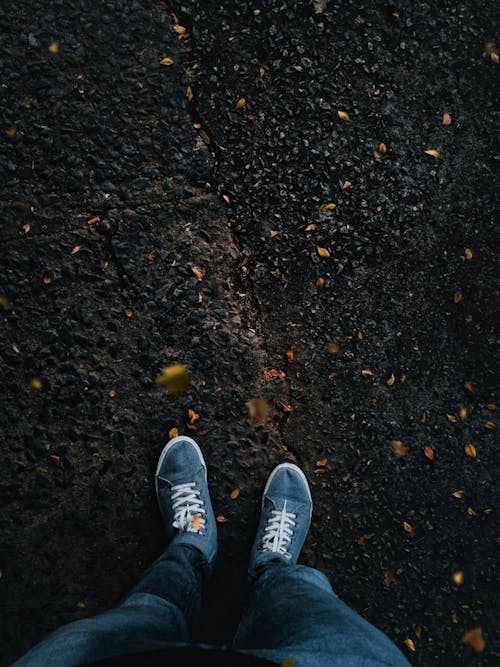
(471, 511)
(76, 249)
(452, 419)
(423, 418)
(333, 347)
(429, 453)
(221, 519)
(241, 103)
(346, 185)
(173, 433)
(470, 450)
(112, 393)
(321, 463)
(26, 228)
(290, 354)
(495, 57)
(457, 297)
(330, 206)
(408, 527)
(284, 406)
(197, 273)
(343, 115)
(387, 579)
(377, 155)
(360, 335)
(193, 416)
(319, 471)
(54, 48)
(174, 378)
(12, 132)
(399, 448)
(454, 618)
(491, 406)
(93, 220)
(469, 386)
(366, 373)
(311, 227)
(270, 373)
(446, 119)
(226, 198)
(46, 279)
(35, 383)
(189, 93)
(464, 413)
(323, 252)
(262, 71)
(411, 644)
(459, 494)
(81, 605)
(234, 494)
(167, 62)
(320, 282)
(179, 29)
(273, 233)
(129, 312)
(382, 148)
(490, 426)
(432, 152)
(258, 409)
(391, 380)
(4, 301)
(458, 578)
(56, 460)
(361, 540)
(468, 253)
(475, 639)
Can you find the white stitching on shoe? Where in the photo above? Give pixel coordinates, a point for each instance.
(188, 508)
(279, 532)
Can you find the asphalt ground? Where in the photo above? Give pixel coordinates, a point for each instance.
(333, 249)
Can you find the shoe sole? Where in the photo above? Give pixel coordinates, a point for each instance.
(168, 447)
(290, 466)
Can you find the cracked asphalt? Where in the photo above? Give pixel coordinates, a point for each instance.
(119, 175)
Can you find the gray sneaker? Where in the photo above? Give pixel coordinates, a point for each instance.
(183, 496)
(285, 517)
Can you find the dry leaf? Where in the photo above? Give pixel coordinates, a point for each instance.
(167, 62)
(333, 347)
(179, 29)
(495, 57)
(174, 378)
(26, 228)
(76, 249)
(112, 393)
(35, 383)
(459, 494)
(46, 279)
(320, 282)
(470, 450)
(361, 540)
(54, 48)
(93, 220)
(469, 386)
(408, 527)
(377, 155)
(197, 273)
(343, 115)
(382, 148)
(432, 152)
(270, 373)
(323, 252)
(189, 93)
(330, 206)
(399, 448)
(258, 409)
(290, 354)
(311, 227)
(129, 312)
(81, 605)
(446, 119)
(241, 103)
(288, 662)
(346, 185)
(193, 416)
(423, 418)
(468, 253)
(411, 644)
(12, 132)
(391, 380)
(491, 406)
(173, 433)
(284, 406)
(262, 71)
(471, 511)
(360, 335)
(458, 578)
(457, 297)
(366, 373)
(387, 579)
(273, 233)
(221, 519)
(454, 618)
(321, 463)
(234, 494)
(56, 460)
(475, 639)
(452, 419)
(429, 453)
(226, 198)
(490, 426)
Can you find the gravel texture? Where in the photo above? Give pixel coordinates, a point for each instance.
(390, 370)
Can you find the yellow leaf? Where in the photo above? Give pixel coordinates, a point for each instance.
(167, 62)
(129, 312)
(174, 378)
(12, 132)
(173, 433)
(399, 448)
(234, 494)
(47, 279)
(241, 103)
(366, 373)
(382, 148)
(459, 494)
(391, 380)
(471, 511)
(262, 71)
(470, 450)
(189, 93)
(452, 419)
(495, 57)
(112, 393)
(76, 249)
(475, 638)
(81, 605)
(323, 252)
(458, 578)
(26, 228)
(432, 152)
(35, 383)
(179, 29)
(408, 527)
(343, 115)
(197, 273)
(468, 253)
(193, 416)
(54, 48)
(298, 68)
(411, 644)
(429, 453)
(311, 227)
(221, 519)
(329, 207)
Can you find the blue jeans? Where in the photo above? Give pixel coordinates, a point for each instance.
(293, 612)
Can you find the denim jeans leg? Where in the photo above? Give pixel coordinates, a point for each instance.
(158, 613)
(294, 613)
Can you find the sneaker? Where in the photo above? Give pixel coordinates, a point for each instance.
(285, 517)
(183, 496)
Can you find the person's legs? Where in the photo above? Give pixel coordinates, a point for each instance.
(293, 611)
(165, 604)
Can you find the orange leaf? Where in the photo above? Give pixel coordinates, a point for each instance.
(399, 448)
(333, 347)
(270, 373)
(273, 233)
(311, 227)
(469, 386)
(470, 450)
(468, 253)
(458, 578)
(432, 152)
(382, 148)
(343, 115)
(179, 29)
(56, 460)
(491, 406)
(458, 494)
(284, 406)
(452, 418)
(320, 282)
(290, 354)
(129, 312)
(366, 373)
(457, 297)
(193, 416)
(76, 249)
(387, 579)
(429, 452)
(112, 393)
(241, 103)
(475, 639)
(391, 380)
(167, 62)
(408, 527)
(323, 252)
(321, 463)
(490, 426)
(234, 494)
(173, 433)
(189, 93)
(411, 644)
(93, 220)
(258, 409)
(328, 207)
(197, 273)
(346, 185)
(221, 519)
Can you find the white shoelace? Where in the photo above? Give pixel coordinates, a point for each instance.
(279, 532)
(188, 508)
